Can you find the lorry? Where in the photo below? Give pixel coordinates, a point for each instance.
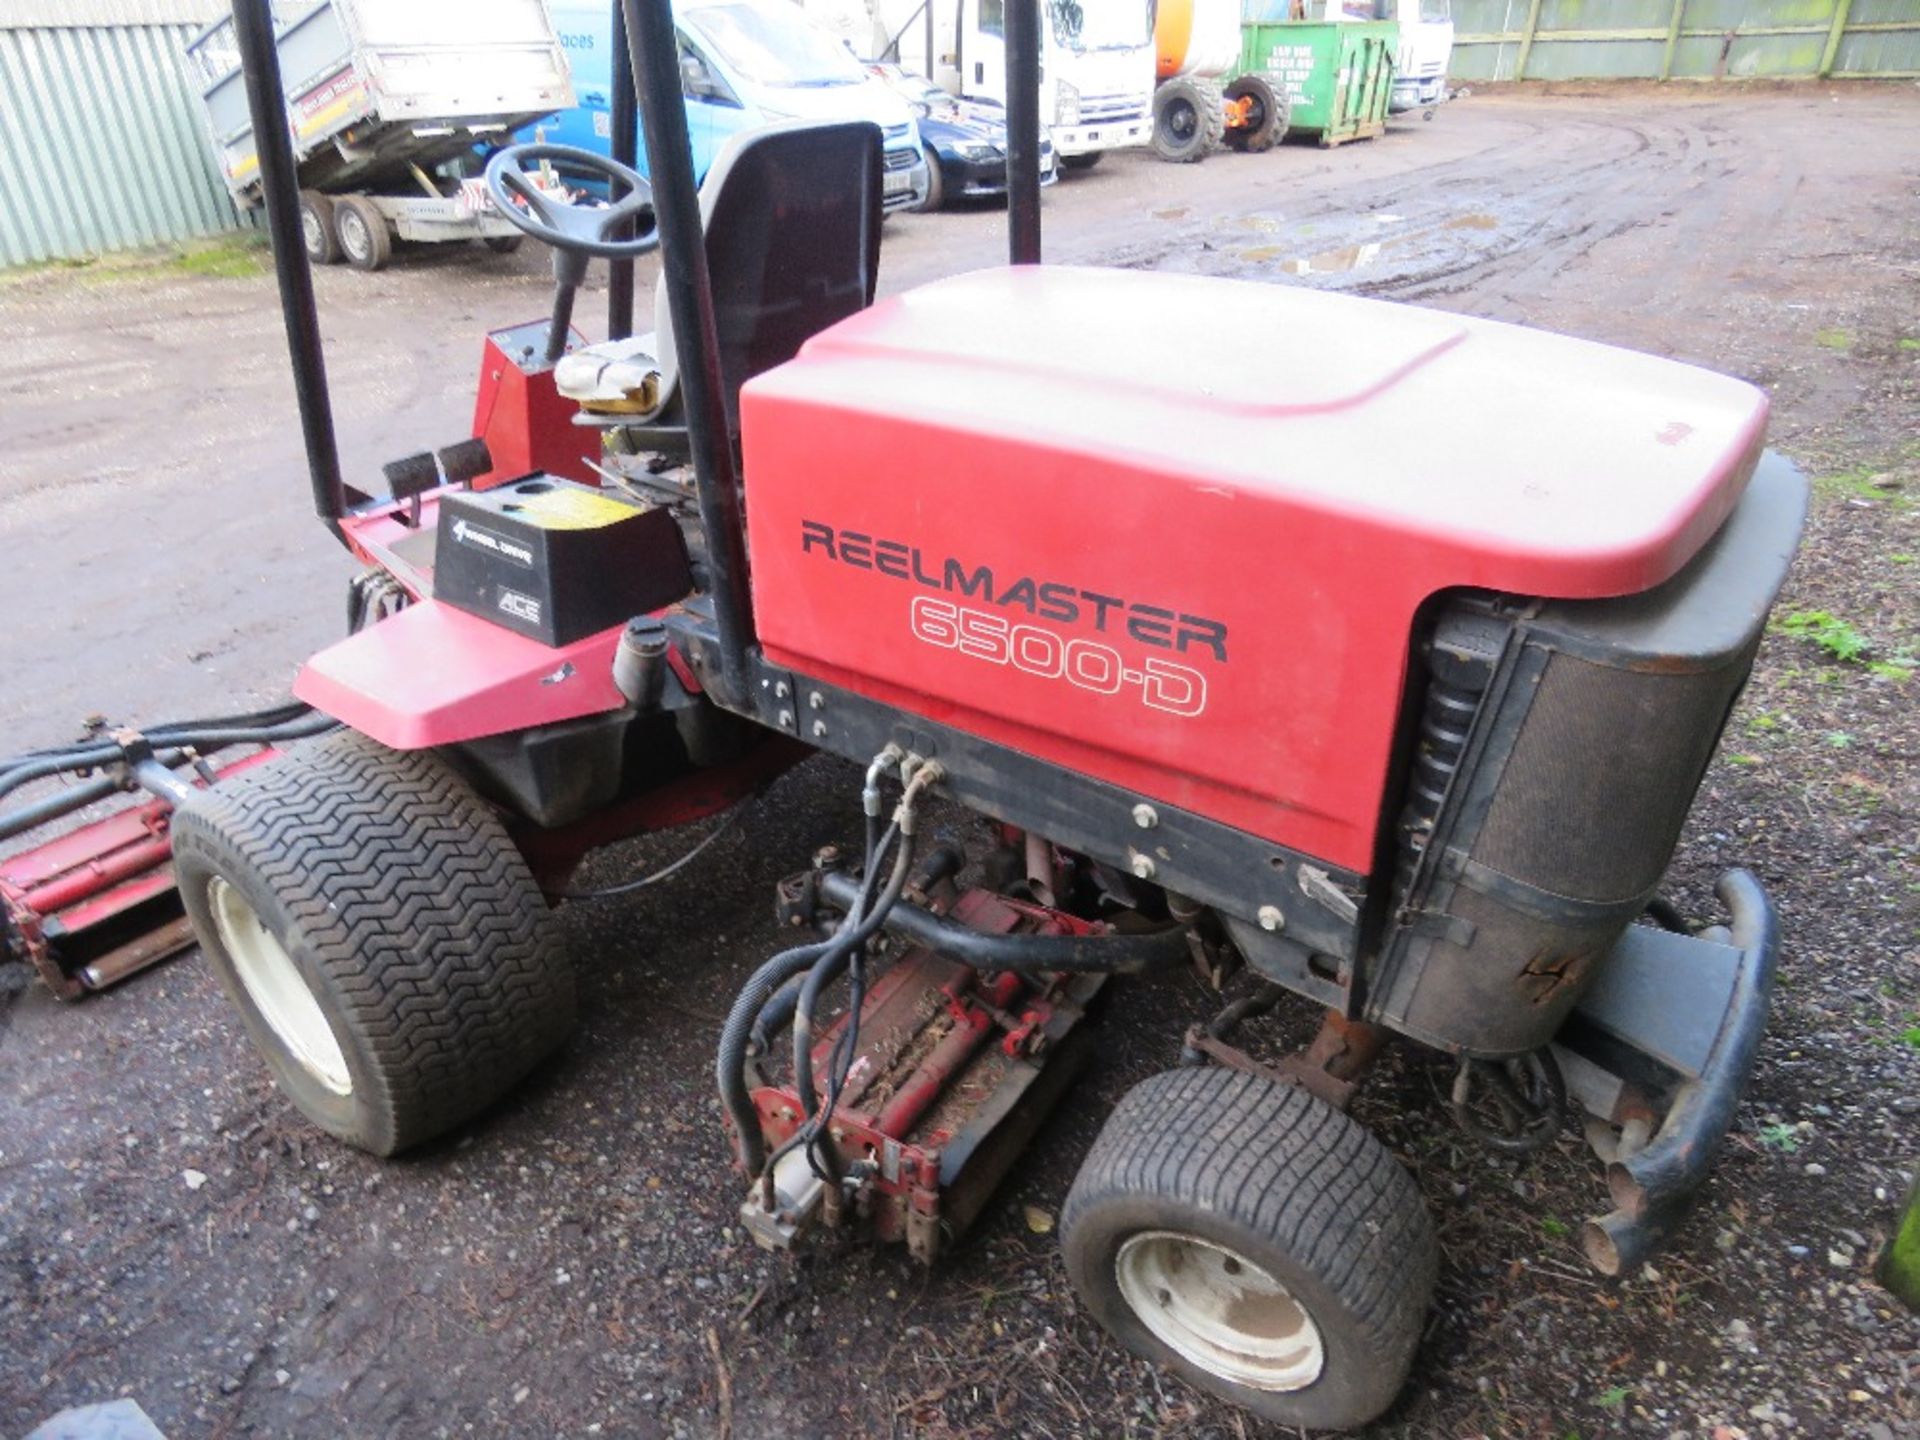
(744, 64)
(1096, 65)
(386, 99)
(1426, 48)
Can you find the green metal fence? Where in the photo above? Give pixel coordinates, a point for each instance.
(1685, 39)
(102, 146)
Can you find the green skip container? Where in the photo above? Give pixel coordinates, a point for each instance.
(1338, 75)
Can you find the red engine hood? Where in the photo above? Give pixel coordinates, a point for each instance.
(1298, 469)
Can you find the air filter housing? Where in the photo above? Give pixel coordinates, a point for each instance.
(1562, 747)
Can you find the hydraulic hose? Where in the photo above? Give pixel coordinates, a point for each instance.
(855, 931)
(829, 968)
(730, 1064)
(172, 732)
(943, 862)
(63, 802)
(168, 741)
(1116, 954)
(774, 1015)
(29, 771)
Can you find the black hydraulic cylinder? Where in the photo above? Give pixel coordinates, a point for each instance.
(624, 148)
(1023, 132)
(683, 258)
(280, 187)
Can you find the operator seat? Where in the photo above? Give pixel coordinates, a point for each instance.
(791, 215)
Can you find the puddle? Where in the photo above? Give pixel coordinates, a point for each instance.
(1348, 258)
(1264, 224)
(1178, 213)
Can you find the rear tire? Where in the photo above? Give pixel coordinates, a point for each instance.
(365, 240)
(1257, 1242)
(385, 943)
(316, 228)
(1268, 121)
(1188, 121)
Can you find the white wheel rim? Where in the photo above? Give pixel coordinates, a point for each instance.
(1220, 1311)
(278, 990)
(312, 231)
(353, 234)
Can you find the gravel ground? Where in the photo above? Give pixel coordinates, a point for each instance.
(170, 1230)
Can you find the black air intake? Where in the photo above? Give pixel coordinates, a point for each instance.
(1559, 813)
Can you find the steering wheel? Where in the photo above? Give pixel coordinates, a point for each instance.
(579, 229)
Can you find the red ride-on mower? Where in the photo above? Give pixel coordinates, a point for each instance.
(1383, 659)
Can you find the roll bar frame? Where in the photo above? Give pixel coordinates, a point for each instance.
(646, 86)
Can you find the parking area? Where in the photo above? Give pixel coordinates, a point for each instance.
(170, 1230)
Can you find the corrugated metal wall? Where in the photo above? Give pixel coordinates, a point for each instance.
(1684, 39)
(101, 141)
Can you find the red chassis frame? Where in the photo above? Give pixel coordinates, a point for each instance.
(96, 904)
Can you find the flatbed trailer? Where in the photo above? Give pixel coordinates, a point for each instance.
(382, 97)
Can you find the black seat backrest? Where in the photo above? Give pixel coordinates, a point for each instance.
(793, 240)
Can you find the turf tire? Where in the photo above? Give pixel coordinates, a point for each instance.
(1284, 1180)
(408, 914)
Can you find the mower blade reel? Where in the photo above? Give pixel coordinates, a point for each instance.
(954, 1071)
(1676, 1019)
(97, 904)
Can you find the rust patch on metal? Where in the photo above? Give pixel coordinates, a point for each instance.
(1547, 974)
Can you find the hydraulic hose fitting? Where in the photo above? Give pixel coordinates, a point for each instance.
(921, 775)
(883, 762)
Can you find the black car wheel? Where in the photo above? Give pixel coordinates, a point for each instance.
(936, 195)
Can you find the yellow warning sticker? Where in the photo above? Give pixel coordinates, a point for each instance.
(567, 509)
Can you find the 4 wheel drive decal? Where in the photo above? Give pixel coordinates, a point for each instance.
(1158, 626)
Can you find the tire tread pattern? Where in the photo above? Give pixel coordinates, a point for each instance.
(1209, 105)
(1285, 1165)
(405, 889)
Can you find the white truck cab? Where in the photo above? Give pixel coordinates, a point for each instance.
(1425, 50)
(1096, 59)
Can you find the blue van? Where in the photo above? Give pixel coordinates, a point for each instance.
(744, 63)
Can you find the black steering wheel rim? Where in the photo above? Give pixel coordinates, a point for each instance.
(582, 229)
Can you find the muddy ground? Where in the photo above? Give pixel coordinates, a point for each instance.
(569, 1265)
